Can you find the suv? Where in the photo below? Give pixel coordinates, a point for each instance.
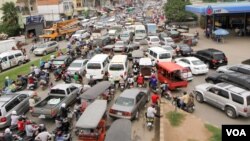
(235, 78)
(212, 57)
(241, 68)
(63, 60)
(9, 103)
(45, 48)
(233, 100)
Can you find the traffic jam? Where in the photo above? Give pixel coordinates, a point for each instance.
(115, 69)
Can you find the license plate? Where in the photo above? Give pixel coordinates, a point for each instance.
(220, 61)
(119, 113)
(41, 116)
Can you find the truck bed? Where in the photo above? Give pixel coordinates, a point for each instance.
(44, 103)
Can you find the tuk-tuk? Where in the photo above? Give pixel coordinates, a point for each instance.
(102, 90)
(189, 38)
(120, 130)
(171, 74)
(136, 55)
(91, 126)
(145, 67)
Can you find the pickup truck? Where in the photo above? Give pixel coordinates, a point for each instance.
(59, 94)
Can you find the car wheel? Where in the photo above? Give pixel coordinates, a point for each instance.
(45, 53)
(230, 112)
(199, 97)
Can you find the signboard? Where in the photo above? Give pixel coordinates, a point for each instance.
(217, 11)
(209, 10)
(34, 19)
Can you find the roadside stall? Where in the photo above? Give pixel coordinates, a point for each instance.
(91, 126)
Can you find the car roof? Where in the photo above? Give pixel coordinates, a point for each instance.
(61, 86)
(78, 61)
(234, 89)
(96, 90)
(191, 58)
(170, 66)
(130, 93)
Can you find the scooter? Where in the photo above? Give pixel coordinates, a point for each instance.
(122, 86)
(188, 108)
(149, 122)
(32, 86)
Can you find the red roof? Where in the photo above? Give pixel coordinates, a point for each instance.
(170, 66)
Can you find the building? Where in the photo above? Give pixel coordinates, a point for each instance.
(1, 3)
(223, 15)
(55, 10)
(78, 7)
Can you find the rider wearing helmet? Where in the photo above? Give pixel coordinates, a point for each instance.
(8, 135)
(140, 79)
(14, 118)
(153, 82)
(63, 111)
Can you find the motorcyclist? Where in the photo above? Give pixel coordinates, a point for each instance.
(58, 122)
(153, 82)
(30, 129)
(155, 98)
(14, 118)
(21, 124)
(7, 82)
(164, 89)
(58, 72)
(92, 82)
(140, 80)
(31, 80)
(8, 135)
(43, 136)
(77, 108)
(184, 99)
(135, 68)
(130, 80)
(20, 82)
(152, 112)
(121, 81)
(47, 65)
(64, 111)
(67, 78)
(44, 78)
(65, 125)
(37, 72)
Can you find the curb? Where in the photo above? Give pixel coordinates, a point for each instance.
(162, 135)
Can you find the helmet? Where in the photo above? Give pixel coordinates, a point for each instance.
(7, 130)
(13, 113)
(28, 122)
(7, 77)
(63, 105)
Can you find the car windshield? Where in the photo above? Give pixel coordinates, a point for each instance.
(124, 35)
(154, 39)
(58, 62)
(197, 62)
(124, 101)
(94, 66)
(75, 65)
(41, 46)
(218, 56)
(164, 56)
(116, 67)
(119, 43)
(140, 31)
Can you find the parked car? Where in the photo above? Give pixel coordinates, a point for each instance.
(229, 98)
(153, 41)
(212, 57)
(129, 103)
(12, 102)
(168, 41)
(196, 65)
(144, 45)
(241, 68)
(63, 61)
(102, 41)
(81, 34)
(126, 36)
(45, 48)
(120, 46)
(235, 78)
(170, 49)
(78, 65)
(186, 72)
(185, 50)
(162, 35)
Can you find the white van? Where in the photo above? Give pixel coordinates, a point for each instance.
(7, 45)
(97, 66)
(118, 66)
(158, 54)
(10, 59)
(140, 32)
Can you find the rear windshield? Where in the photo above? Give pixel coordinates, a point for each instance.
(197, 62)
(164, 56)
(155, 40)
(248, 100)
(57, 91)
(123, 101)
(94, 66)
(218, 56)
(116, 67)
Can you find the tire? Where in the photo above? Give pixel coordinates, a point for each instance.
(230, 112)
(45, 53)
(199, 97)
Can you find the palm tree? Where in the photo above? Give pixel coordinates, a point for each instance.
(10, 13)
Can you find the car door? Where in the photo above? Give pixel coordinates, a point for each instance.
(12, 60)
(222, 98)
(210, 95)
(140, 101)
(5, 63)
(23, 103)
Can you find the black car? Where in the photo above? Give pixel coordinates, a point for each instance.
(185, 50)
(212, 57)
(63, 61)
(102, 41)
(234, 78)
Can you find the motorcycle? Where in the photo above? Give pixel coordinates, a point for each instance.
(149, 122)
(32, 86)
(122, 86)
(44, 84)
(188, 108)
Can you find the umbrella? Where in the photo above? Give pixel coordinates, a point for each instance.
(221, 32)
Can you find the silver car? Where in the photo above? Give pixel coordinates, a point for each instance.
(78, 65)
(241, 68)
(45, 48)
(11, 102)
(120, 46)
(129, 103)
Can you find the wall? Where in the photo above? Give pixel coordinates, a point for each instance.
(50, 12)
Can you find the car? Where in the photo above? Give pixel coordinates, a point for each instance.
(113, 34)
(45, 48)
(196, 65)
(81, 34)
(170, 49)
(120, 46)
(234, 78)
(153, 41)
(78, 65)
(99, 25)
(129, 103)
(126, 36)
(186, 72)
(102, 41)
(212, 57)
(185, 50)
(168, 41)
(144, 45)
(241, 68)
(12, 102)
(229, 98)
(63, 61)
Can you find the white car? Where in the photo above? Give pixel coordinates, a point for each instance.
(78, 65)
(168, 41)
(170, 49)
(196, 65)
(81, 34)
(241, 68)
(153, 41)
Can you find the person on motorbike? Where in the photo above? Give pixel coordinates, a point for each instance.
(64, 111)
(7, 82)
(37, 72)
(92, 81)
(65, 125)
(67, 77)
(135, 68)
(164, 89)
(43, 136)
(30, 129)
(77, 77)
(21, 124)
(31, 80)
(140, 80)
(184, 99)
(47, 65)
(155, 98)
(153, 82)
(14, 119)
(12, 87)
(58, 72)
(77, 108)
(121, 81)
(19, 81)
(8, 135)
(44, 78)
(152, 112)
(130, 80)
(58, 122)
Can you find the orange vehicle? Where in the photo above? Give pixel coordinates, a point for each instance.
(172, 74)
(59, 30)
(91, 126)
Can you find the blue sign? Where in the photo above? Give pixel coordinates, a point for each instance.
(34, 19)
(209, 10)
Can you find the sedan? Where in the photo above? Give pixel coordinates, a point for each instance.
(45, 48)
(185, 49)
(78, 65)
(196, 65)
(129, 103)
(153, 41)
(81, 34)
(120, 46)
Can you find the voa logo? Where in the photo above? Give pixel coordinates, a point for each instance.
(236, 132)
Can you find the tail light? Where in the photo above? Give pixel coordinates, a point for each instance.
(126, 113)
(214, 61)
(3, 119)
(245, 110)
(53, 112)
(112, 111)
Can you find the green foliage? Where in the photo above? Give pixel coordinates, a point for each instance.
(175, 118)
(175, 10)
(11, 30)
(10, 13)
(202, 22)
(209, 1)
(216, 132)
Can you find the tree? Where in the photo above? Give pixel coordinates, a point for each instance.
(175, 10)
(10, 15)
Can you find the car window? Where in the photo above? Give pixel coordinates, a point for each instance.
(12, 104)
(164, 56)
(116, 67)
(4, 59)
(94, 66)
(214, 90)
(154, 55)
(18, 54)
(57, 91)
(68, 91)
(11, 57)
(72, 88)
(248, 100)
(218, 56)
(124, 101)
(22, 97)
(139, 97)
(224, 94)
(237, 99)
